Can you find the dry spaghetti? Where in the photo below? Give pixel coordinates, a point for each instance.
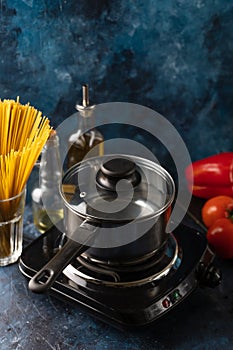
(23, 133)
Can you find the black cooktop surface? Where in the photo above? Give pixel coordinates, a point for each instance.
(127, 306)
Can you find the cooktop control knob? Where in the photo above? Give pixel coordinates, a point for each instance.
(209, 276)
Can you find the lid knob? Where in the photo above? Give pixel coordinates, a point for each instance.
(116, 169)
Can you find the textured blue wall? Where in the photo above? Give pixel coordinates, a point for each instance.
(174, 56)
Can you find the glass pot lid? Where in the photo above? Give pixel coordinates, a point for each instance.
(117, 188)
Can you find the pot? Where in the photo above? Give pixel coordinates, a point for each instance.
(116, 211)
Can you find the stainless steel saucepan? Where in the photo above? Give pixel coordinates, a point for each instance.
(116, 211)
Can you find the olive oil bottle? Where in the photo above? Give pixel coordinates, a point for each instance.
(87, 140)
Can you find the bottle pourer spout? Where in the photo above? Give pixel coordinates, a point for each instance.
(85, 107)
(85, 90)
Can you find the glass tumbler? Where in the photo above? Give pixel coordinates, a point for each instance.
(11, 228)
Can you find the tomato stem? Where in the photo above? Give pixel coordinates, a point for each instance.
(229, 214)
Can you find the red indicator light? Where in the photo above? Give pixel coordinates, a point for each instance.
(166, 303)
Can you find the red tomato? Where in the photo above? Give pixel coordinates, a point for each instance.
(220, 238)
(216, 208)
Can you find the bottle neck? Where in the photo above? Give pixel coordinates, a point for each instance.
(50, 164)
(86, 121)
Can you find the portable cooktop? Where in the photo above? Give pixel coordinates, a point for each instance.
(128, 295)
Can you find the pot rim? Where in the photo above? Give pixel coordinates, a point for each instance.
(158, 169)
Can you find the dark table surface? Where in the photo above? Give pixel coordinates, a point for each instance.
(31, 321)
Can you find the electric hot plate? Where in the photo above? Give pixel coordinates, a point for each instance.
(127, 296)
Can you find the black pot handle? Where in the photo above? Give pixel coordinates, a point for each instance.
(44, 278)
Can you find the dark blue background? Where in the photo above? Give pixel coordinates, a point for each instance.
(174, 56)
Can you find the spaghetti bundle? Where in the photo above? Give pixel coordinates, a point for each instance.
(23, 133)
